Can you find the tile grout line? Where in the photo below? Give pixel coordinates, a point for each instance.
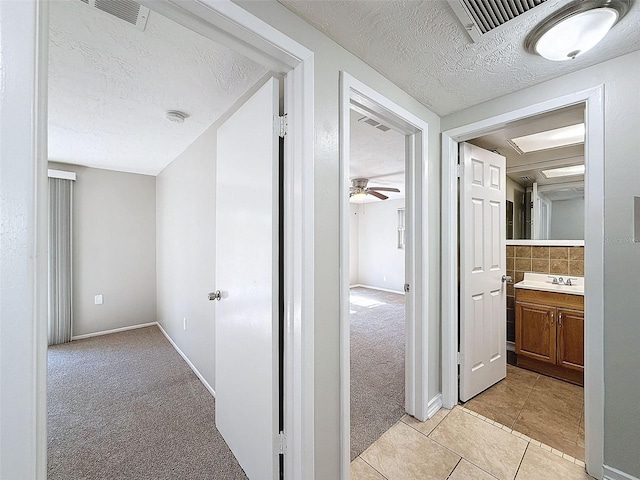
(521, 460)
(526, 400)
(379, 472)
(447, 448)
(420, 431)
(456, 453)
(560, 453)
(454, 469)
(524, 437)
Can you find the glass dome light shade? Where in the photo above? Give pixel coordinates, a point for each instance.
(358, 198)
(576, 34)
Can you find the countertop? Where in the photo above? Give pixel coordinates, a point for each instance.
(544, 282)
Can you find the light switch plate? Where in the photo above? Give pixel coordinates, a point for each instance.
(98, 299)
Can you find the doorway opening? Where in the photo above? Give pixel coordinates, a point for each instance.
(377, 277)
(592, 99)
(358, 101)
(541, 395)
(282, 57)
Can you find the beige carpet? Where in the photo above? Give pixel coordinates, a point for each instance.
(127, 406)
(377, 365)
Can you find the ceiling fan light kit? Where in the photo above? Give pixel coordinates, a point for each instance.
(359, 190)
(575, 29)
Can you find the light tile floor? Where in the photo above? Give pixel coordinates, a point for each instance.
(460, 444)
(548, 410)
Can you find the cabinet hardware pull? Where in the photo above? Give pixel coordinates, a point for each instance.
(551, 318)
(560, 320)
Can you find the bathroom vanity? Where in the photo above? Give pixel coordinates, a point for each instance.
(549, 325)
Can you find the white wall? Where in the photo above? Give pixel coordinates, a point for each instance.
(380, 261)
(329, 60)
(567, 219)
(186, 251)
(621, 255)
(23, 248)
(114, 248)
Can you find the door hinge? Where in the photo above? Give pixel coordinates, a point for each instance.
(406, 287)
(282, 442)
(460, 358)
(281, 125)
(459, 170)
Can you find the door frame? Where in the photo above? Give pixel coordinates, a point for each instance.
(355, 92)
(593, 99)
(230, 25)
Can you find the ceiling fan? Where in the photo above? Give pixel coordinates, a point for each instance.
(359, 187)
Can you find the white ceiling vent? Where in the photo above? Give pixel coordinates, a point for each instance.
(374, 123)
(481, 16)
(127, 10)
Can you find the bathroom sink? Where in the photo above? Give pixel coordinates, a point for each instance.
(544, 282)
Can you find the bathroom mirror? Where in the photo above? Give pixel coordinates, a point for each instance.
(545, 212)
(545, 174)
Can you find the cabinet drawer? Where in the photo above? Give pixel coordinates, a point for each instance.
(567, 300)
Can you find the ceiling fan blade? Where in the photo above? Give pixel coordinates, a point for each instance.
(378, 195)
(385, 189)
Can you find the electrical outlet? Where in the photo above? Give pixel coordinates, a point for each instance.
(384, 278)
(184, 323)
(97, 299)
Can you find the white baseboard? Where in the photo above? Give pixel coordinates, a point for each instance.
(186, 359)
(115, 330)
(611, 473)
(434, 405)
(511, 346)
(376, 288)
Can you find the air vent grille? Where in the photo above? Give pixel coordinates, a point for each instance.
(481, 16)
(374, 123)
(127, 10)
(527, 179)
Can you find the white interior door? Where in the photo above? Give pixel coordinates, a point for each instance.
(483, 292)
(247, 266)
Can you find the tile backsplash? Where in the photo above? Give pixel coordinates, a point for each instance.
(567, 261)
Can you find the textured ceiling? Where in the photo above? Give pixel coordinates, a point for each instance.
(110, 85)
(378, 156)
(422, 47)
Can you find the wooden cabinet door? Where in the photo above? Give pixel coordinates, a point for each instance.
(536, 331)
(570, 338)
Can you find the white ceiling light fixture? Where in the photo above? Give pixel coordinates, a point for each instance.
(575, 29)
(572, 171)
(558, 137)
(176, 116)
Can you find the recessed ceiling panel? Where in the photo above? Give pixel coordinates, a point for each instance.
(558, 137)
(571, 171)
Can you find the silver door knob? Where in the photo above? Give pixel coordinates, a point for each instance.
(217, 295)
(507, 279)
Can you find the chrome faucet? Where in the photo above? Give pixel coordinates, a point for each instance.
(562, 281)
